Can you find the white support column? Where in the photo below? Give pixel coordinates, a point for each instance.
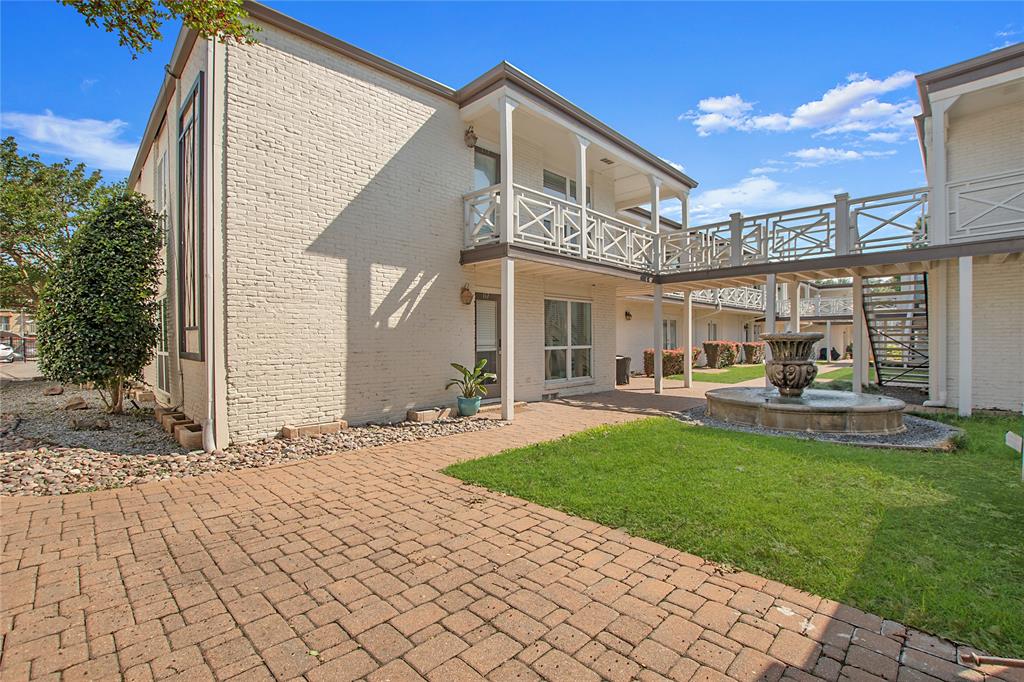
(770, 289)
(656, 220)
(938, 215)
(736, 239)
(688, 339)
(859, 351)
(508, 337)
(794, 306)
(506, 105)
(844, 237)
(684, 210)
(659, 339)
(581, 189)
(965, 353)
(938, 329)
(828, 340)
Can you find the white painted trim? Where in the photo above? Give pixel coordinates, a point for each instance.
(937, 330)
(688, 341)
(859, 354)
(770, 291)
(975, 86)
(659, 340)
(508, 338)
(965, 359)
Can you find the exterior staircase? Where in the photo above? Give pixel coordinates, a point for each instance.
(896, 314)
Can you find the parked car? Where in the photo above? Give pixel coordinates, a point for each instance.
(6, 353)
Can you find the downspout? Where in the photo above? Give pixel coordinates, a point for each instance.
(209, 340)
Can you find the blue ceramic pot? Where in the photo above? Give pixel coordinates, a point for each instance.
(469, 406)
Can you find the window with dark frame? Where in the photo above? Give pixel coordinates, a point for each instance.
(567, 340)
(190, 222)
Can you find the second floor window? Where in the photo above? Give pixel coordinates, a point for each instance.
(190, 222)
(486, 168)
(559, 186)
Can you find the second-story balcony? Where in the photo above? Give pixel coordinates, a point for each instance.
(557, 226)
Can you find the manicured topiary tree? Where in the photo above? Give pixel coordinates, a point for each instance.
(97, 320)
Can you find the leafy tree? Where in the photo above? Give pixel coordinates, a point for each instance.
(137, 22)
(97, 320)
(41, 206)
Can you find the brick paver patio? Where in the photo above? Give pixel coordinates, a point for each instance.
(369, 564)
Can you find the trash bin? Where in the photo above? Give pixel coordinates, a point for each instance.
(621, 370)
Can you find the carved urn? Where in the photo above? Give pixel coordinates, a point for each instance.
(791, 368)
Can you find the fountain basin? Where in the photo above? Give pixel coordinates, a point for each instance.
(816, 410)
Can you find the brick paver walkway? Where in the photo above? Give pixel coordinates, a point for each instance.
(370, 565)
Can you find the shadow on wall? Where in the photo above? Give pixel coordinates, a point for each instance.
(354, 234)
(399, 240)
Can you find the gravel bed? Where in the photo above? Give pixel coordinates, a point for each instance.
(36, 461)
(921, 434)
(43, 422)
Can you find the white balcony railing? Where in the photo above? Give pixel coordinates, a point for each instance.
(748, 298)
(819, 307)
(884, 222)
(554, 225)
(987, 207)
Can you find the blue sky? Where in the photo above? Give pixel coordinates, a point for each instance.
(767, 105)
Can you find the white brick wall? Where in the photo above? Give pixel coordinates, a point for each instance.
(998, 326)
(343, 236)
(985, 142)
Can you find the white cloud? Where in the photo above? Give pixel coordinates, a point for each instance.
(888, 138)
(94, 142)
(752, 195)
(764, 170)
(818, 156)
(87, 83)
(678, 166)
(853, 106)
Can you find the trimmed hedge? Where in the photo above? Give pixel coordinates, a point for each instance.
(672, 361)
(753, 352)
(721, 353)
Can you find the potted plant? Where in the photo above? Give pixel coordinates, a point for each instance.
(473, 386)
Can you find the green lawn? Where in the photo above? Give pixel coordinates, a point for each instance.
(844, 374)
(934, 540)
(732, 375)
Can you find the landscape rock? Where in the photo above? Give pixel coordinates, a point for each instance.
(53, 390)
(77, 403)
(46, 456)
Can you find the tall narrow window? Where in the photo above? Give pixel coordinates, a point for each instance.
(712, 331)
(568, 344)
(190, 222)
(163, 367)
(670, 335)
(486, 168)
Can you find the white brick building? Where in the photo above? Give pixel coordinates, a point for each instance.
(328, 210)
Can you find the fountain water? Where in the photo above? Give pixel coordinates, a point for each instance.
(791, 406)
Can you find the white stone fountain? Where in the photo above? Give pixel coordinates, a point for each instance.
(791, 406)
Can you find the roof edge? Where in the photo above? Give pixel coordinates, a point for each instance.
(182, 49)
(975, 68)
(506, 72)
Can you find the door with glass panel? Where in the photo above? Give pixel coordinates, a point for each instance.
(488, 338)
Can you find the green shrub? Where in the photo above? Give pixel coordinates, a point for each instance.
(721, 353)
(672, 361)
(97, 319)
(753, 352)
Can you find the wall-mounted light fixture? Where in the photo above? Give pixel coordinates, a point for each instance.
(629, 315)
(470, 137)
(466, 294)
